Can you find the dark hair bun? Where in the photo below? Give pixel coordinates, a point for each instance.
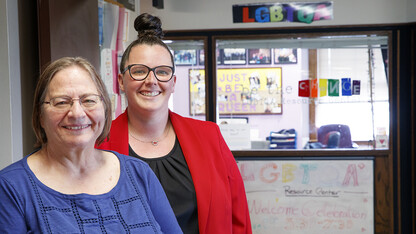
(148, 25)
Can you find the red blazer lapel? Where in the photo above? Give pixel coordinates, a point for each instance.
(191, 142)
(119, 135)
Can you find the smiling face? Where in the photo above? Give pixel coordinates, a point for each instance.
(149, 95)
(76, 127)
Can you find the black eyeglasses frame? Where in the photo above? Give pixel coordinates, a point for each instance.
(150, 69)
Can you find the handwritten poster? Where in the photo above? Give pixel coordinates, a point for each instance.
(316, 196)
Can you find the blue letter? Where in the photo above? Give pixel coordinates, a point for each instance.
(262, 15)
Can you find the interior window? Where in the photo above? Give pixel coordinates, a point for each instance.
(328, 92)
(323, 92)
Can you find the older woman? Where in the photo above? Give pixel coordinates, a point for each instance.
(68, 186)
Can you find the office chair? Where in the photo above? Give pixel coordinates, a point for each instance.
(335, 136)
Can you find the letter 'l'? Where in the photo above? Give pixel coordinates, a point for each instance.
(246, 16)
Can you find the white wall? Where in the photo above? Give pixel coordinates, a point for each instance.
(217, 14)
(11, 141)
(411, 8)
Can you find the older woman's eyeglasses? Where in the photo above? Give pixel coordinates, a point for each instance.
(64, 103)
(140, 72)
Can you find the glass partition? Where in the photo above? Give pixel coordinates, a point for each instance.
(323, 92)
(189, 97)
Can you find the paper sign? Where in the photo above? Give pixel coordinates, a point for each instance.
(237, 136)
(333, 87)
(381, 141)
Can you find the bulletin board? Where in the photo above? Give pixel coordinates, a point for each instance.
(309, 196)
(242, 91)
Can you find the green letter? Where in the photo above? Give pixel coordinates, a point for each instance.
(276, 14)
(304, 16)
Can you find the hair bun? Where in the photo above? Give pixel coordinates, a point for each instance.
(148, 25)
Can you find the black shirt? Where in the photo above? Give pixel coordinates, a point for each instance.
(175, 178)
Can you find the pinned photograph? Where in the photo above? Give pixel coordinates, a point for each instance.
(285, 56)
(185, 57)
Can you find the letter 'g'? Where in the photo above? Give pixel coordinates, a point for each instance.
(262, 14)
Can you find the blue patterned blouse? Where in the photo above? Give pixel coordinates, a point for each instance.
(137, 204)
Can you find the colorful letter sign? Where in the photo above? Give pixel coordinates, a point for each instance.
(282, 12)
(328, 87)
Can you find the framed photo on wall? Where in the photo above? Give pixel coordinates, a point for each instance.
(235, 56)
(185, 57)
(259, 56)
(285, 56)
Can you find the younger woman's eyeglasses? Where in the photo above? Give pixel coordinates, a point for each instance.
(140, 72)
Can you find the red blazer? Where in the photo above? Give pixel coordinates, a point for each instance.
(220, 193)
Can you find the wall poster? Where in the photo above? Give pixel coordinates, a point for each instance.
(309, 196)
(239, 91)
(197, 91)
